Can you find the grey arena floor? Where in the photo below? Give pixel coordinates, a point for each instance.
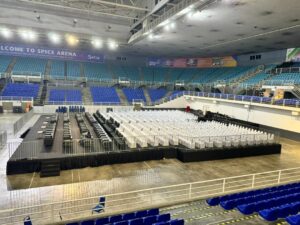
(89, 182)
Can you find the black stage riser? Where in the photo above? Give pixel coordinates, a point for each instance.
(75, 162)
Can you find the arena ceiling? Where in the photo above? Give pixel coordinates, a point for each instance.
(210, 28)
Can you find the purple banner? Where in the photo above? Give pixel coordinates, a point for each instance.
(49, 53)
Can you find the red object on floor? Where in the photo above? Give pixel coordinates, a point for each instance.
(188, 109)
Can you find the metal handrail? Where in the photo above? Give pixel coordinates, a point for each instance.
(188, 190)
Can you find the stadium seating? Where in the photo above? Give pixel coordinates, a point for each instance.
(288, 102)
(104, 95)
(144, 217)
(285, 77)
(271, 203)
(57, 69)
(97, 71)
(156, 94)
(23, 90)
(5, 61)
(132, 72)
(134, 94)
(256, 79)
(73, 69)
(30, 65)
(61, 95)
(175, 94)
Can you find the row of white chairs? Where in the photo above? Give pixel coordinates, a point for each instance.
(171, 127)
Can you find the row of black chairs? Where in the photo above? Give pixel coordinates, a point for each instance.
(104, 138)
(110, 127)
(67, 135)
(49, 133)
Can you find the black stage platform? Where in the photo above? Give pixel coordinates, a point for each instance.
(29, 164)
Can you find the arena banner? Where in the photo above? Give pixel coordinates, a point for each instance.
(49, 53)
(227, 61)
(293, 55)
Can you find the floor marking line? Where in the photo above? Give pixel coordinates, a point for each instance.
(78, 175)
(31, 179)
(149, 167)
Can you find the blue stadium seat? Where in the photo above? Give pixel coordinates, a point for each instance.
(121, 223)
(149, 220)
(102, 221)
(138, 221)
(21, 90)
(140, 214)
(31, 65)
(134, 94)
(293, 220)
(5, 61)
(87, 222)
(156, 94)
(100, 206)
(163, 217)
(116, 218)
(153, 212)
(177, 222)
(128, 216)
(104, 95)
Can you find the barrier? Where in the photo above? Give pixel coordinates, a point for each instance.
(147, 198)
(3, 139)
(16, 98)
(21, 122)
(232, 97)
(84, 147)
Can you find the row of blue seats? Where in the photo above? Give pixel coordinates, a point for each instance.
(271, 203)
(217, 200)
(61, 95)
(104, 95)
(156, 94)
(21, 89)
(134, 94)
(144, 217)
(293, 220)
(282, 211)
(289, 102)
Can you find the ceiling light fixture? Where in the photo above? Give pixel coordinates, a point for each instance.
(112, 45)
(54, 38)
(97, 43)
(72, 40)
(28, 35)
(6, 33)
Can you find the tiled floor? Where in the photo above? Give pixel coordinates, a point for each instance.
(30, 189)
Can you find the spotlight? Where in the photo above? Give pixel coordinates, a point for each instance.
(54, 38)
(6, 33)
(97, 43)
(151, 36)
(38, 17)
(167, 27)
(28, 35)
(112, 45)
(172, 25)
(75, 21)
(72, 40)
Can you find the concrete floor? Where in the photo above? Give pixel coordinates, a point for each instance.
(88, 182)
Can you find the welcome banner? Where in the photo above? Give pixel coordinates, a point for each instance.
(49, 53)
(226, 61)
